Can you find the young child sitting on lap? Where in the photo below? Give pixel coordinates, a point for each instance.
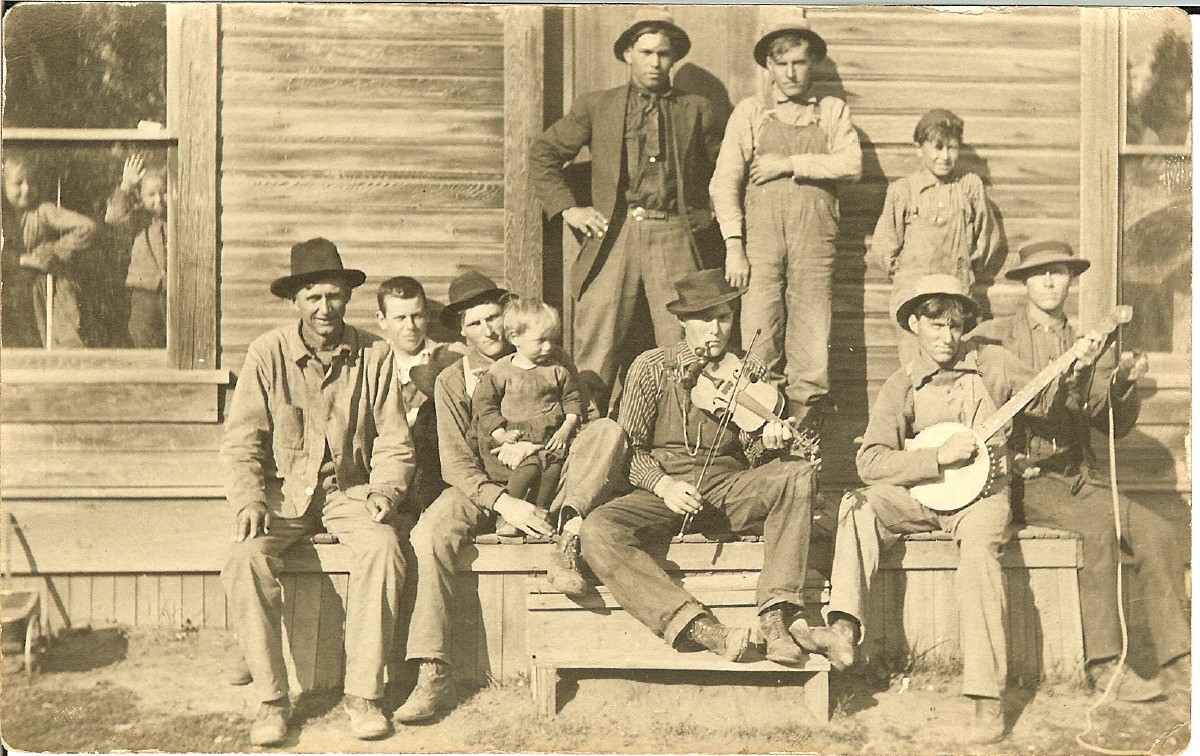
(531, 395)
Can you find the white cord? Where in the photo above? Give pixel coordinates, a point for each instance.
(1116, 510)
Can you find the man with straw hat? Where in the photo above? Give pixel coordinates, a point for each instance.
(652, 151)
(1064, 483)
(774, 192)
(685, 462)
(316, 437)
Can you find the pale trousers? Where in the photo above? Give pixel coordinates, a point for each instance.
(872, 519)
(372, 605)
(596, 459)
(647, 256)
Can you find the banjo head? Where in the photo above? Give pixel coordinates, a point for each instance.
(958, 486)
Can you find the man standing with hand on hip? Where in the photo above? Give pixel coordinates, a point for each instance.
(653, 150)
(316, 436)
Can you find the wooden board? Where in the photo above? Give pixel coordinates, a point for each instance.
(188, 403)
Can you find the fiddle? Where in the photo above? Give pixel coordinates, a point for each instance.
(754, 403)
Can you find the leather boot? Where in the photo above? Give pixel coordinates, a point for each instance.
(1130, 686)
(563, 571)
(835, 642)
(238, 672)
(988, 726)
(271, 723)
(434, 693)
(781, 647)
(731, 643)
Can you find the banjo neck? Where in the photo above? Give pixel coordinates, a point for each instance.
(1001, 417)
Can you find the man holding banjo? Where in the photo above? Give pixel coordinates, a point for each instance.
(950, 381)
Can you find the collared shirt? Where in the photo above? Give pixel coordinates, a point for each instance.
(649, 164)
(457, 445)
(644, 386)
(934, 226)
(291, 416)
(413, 398)
(894, 418)
(728, 184)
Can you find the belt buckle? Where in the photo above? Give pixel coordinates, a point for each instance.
(639, 213)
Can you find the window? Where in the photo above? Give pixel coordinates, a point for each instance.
(1155, 244)
(103, 140)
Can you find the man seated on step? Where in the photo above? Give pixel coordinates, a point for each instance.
(684, 463)
(472, 502)
(948, 381)
(1064, 483)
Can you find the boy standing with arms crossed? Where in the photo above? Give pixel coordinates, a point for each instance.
(773, 191)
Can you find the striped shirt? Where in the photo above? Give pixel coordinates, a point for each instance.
(644, 386)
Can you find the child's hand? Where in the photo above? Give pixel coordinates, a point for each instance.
(133, 172)
(559, 440)
(39, 259)
(737, 265)
(503, 436)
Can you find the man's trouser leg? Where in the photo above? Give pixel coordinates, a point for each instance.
(811, 227)
(870, 521)
(615, 539)
(664, 255)
(597, 467)
(256, 601)
(604, 312)
(445, 528)
(373, 597)
(763, 305)
(776, 501)
(981, 530)
(1160, 573)
(1049, 503)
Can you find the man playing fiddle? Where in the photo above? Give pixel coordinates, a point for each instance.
(684, 464)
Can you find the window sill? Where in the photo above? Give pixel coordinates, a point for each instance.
(127, 375)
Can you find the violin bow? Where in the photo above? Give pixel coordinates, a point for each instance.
(738, 385)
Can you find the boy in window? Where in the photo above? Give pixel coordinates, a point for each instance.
(143, 218)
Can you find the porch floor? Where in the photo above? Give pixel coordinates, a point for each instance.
(110, 689)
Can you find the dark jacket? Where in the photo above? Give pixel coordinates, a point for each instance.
(597, 121)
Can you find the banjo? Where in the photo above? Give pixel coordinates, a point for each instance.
(957, 487)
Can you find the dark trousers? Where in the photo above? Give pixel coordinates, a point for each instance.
(774, 500)
(1048, 502)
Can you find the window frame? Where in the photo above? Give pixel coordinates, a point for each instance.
(190, 138)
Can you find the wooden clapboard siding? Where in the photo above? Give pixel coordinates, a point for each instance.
(380, 128)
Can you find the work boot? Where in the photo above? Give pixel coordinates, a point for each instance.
(728, 642)
(271, 724)
(781, 646)
(988, 726)
(238, 673)
(366, 720)
(835, 642)
(564, 572)
(433, 693)
(1129, 686)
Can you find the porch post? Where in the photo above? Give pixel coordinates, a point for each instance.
(524, 30)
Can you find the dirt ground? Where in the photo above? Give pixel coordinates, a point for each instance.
(106, 690)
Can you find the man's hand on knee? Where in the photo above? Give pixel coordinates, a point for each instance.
(252, 521)
(680, 496)
(520, 513)
(379, 506)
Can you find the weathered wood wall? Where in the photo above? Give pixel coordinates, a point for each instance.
(378, 127)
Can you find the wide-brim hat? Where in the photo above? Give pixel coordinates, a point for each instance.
(466, 291)
(795, 25)
(312, 261)
(934, 284)
(680, 42)
(701, 290)
(1038, 254)
(424, 376)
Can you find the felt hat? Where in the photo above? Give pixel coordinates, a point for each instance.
(698, 291)
(312, 261)
(425, 375)
(1038, 254)
(466, 291)
(789, 21)
(942, 284)
(680, 42)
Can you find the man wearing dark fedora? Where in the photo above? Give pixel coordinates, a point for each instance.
(316, 437)
(774, 190)
(1064, 483)
(472, 502)
(652, 151)
(683, 465)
